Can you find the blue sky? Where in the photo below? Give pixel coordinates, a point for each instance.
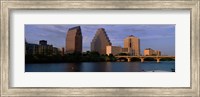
(157, 37)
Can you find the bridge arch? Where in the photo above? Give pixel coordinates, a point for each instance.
(134, 59)
(122, 59)
(149, 59)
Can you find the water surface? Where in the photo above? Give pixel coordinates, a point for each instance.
(166, 66)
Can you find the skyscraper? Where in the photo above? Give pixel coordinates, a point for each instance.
(100, 41)
(133, 45)
(74, 40)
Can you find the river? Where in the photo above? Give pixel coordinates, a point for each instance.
(152, 66)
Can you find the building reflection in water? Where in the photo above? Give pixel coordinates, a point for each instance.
(103, 67)
(109, 67)
(73, 67)
(94, 67)
(133, 67)
(89, 67)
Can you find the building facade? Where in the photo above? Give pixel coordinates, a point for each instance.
(100, 41)
(74, 40)
(133, 45)
(158, 53)
(151, 52)
(45, 49)
(40, 49)
(113, 50)
(31, 49)
(63, 51)
(116, 50)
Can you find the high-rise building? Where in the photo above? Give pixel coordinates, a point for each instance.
(74, 40)
(100, 41)
(133, 45)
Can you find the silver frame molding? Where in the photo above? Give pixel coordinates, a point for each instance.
(8, 5)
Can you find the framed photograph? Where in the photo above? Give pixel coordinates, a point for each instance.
(100, 48)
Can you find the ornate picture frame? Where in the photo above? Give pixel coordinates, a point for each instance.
(8, 5)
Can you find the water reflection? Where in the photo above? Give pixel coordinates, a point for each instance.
(95, 67)
(73, 67)
(101, 67)
(134, 67)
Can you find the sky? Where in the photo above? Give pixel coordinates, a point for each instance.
(158, 37)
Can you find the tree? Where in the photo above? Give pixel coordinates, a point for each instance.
(123, 54)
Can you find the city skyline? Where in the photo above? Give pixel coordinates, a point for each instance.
(160, 37)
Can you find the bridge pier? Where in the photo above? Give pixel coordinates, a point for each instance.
(129, 59)
(158, 60)
(142, 59)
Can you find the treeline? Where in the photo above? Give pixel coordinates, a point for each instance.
(71, 57)
(80, 57)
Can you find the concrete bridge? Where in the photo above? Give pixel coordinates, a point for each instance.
(143, 57)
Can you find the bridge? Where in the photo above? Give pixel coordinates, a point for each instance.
(157, 58)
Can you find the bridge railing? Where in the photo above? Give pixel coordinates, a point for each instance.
(143, 57)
